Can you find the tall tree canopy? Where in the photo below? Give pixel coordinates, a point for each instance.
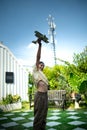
(80, 60)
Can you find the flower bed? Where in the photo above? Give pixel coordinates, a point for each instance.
(10, 103)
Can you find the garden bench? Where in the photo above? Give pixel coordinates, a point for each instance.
(56, 96)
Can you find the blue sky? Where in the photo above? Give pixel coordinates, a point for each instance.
(20, 18)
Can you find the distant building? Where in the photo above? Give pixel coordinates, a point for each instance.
(13, 76)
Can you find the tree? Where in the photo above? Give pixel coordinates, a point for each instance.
(71, 75)
(80, 60)
(83, 89)
(56, 77)
(52, 75)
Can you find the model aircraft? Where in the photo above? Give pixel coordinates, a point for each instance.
(40, 36)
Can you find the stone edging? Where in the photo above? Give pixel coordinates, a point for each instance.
(10, 107)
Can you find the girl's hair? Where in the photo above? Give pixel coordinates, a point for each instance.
(41, 62)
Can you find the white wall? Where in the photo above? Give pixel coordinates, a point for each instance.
(9, 63)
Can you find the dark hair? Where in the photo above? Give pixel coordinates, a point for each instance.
(41, 62)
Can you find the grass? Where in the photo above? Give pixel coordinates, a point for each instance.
(63, 119)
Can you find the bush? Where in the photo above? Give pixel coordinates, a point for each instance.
(11, 99)
(16, 98)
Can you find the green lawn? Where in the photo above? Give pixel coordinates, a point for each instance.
(64, 120)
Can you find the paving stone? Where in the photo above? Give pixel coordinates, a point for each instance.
(28, 124)
(28, 110)
(55, 113)
(76, 123)
(9, 124)
(73, 117)
(3, 118)
(72, 113)
(53, 123)
(70, 110)
(51, 129)
(31, 118)
(56, 110)
(16, 111)
(79, 128)
(53, 118)
(18, 118)
(85, 112)
(24, 114)
(9, 114)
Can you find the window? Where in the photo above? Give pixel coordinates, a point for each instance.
(9, 77)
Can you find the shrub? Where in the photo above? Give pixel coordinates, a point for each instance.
(16, 98)
(11, 99)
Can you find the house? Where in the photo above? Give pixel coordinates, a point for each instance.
(13, 76)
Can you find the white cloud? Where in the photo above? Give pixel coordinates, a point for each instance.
(30, 46)
(47, 54)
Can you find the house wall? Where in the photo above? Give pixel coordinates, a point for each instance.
(9, 63)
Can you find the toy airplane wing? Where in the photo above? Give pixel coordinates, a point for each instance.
(41, 36)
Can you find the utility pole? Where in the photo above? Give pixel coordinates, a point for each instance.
(51, 33)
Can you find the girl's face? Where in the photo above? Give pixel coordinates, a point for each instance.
(41, 66)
